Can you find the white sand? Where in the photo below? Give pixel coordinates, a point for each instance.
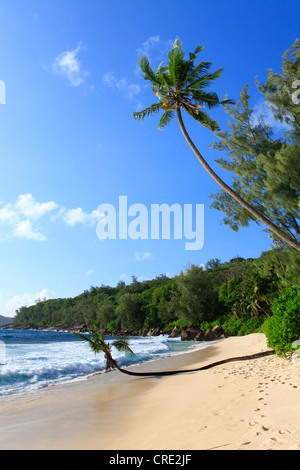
(241, 405)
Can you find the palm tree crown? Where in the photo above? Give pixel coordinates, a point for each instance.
(97, 344)
(182, 84)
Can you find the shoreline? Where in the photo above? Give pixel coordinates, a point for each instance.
(78, 374)
(243, 405)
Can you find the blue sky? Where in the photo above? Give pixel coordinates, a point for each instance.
(69, 143)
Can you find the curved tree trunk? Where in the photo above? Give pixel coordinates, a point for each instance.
(209, 366)
(230, 191)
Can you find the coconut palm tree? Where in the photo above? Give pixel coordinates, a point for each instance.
(182, 85)
(98, 344)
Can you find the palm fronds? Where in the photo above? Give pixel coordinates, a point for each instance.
(181, 84)
(141, 115)
(97, 344)
(122, 346)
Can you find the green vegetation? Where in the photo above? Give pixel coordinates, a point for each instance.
(283, 328)
(243, 296)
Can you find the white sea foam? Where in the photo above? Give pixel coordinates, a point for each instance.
(35, 360)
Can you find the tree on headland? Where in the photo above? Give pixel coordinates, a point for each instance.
(182, 85)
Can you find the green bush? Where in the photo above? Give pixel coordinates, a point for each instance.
(232, 325)
(112, 325)
(235, 326)
(250, 325)
(284, 326)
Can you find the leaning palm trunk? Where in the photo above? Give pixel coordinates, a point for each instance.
(97, 344)
(230, 191)
(209, 366)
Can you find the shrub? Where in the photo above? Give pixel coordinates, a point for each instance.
(284, 326)
(232, 325)
(112, 325)
(250, 325)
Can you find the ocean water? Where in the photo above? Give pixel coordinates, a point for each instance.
(31, 360)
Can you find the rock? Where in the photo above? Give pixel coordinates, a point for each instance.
(214, 333)
(143, 332)
(219, 332)
(209, 335)
(200, 336)
(189, 333)
(193, 333)
(175, 333)
(154, 332)
(78, 329)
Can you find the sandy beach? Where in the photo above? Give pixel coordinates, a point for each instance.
(250, 405)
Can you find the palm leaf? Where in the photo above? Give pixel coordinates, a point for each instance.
(149, 74)
(209, 99)
(203, 80)
(141, 115)
(204, 119)
(194, 55)
(161, 93)
(197, 73)
(122, 346)
(178, 68)
(165, 119)
(95, 345)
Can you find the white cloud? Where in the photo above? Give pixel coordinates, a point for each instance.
(24, 230)
(9, 306)
(109, 79)
(31, 209)
(27, 207)
(129, 89)
(68, 65)
(77, 216)
(153, 46)
(19, 219)
(20, 214)
(8, 215)
(90, 272)
(148, 45)
(143, 256)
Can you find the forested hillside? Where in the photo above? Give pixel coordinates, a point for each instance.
(238, 294)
